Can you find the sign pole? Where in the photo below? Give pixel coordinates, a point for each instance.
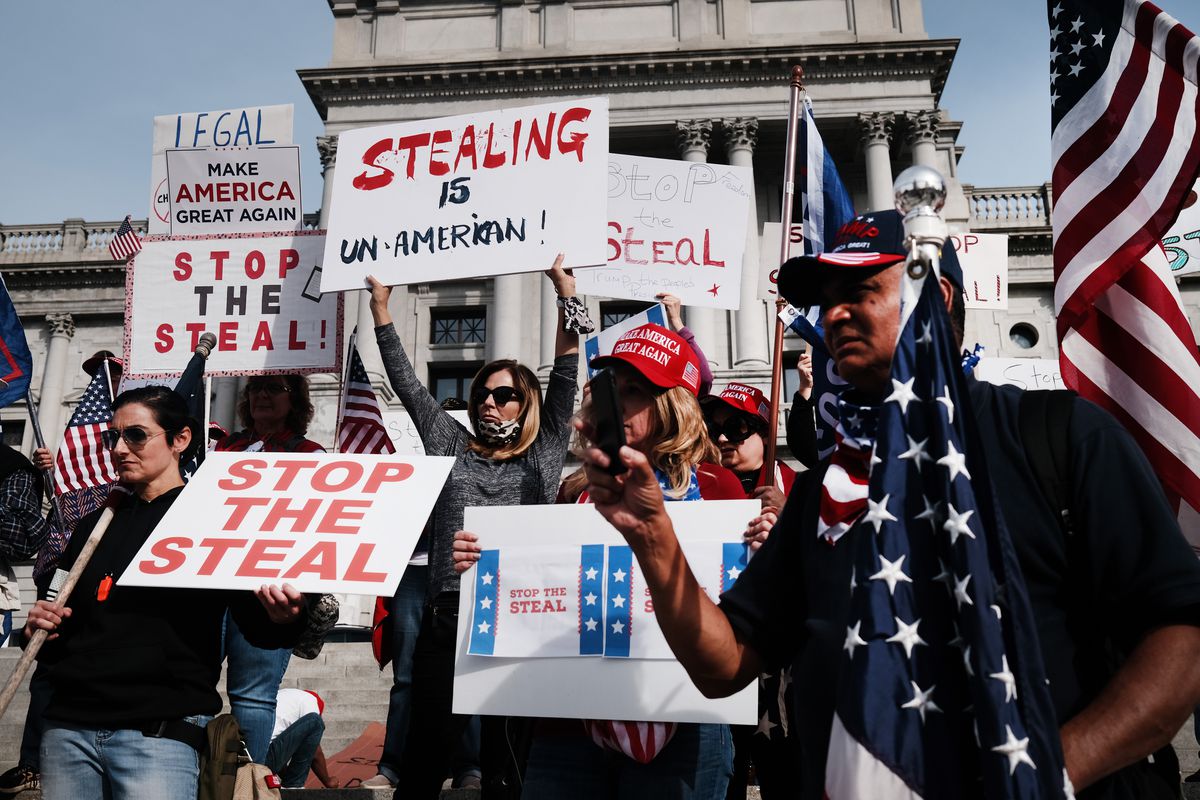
(40, 441)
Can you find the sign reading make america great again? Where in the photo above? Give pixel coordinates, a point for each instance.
(470, 196)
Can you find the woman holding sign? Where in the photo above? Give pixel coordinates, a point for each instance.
(657, 379)
(134, 670)
(514, 457)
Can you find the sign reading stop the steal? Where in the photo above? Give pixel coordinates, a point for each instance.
(321, 522)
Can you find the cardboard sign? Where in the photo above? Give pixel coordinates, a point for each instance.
(1182, 242)
(601, 343)
(403, 432)
(481, 194)
(984, 261)
(636, 680)
(674, 226)
(255, 126)
(323, 522)
(1024, 373)
(246, 190)
(768, 256)
(256, 292)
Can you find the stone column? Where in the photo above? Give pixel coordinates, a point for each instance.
(504, 318)
(549, 335)
(54, 377)
(750, 322)
(877, 137)
(224, 404)
(922, 137)
(693, 138)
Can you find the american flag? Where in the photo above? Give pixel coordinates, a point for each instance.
(943, 694)
(1126, 151)
(125, 243)
(83, 462)
(360, 425)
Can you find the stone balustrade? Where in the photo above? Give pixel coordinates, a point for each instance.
(1009, 207)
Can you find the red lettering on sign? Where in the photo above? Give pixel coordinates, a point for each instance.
(342, 511)
(246, 473)
(183, 266)
(172, 558)
(321, 561)
(321, 479)
(386, 473)
(217, 550)
(241, 507)
(357, 571)
(281, 509)
(258, 553)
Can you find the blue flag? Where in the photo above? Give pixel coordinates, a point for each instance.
(16, 363)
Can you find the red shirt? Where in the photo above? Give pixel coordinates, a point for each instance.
(281, 442)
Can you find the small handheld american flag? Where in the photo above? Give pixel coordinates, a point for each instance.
(125, 243)
(360, 428)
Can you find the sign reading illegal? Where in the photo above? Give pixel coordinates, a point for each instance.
(322, 522)
(257, 293)
(234, 191)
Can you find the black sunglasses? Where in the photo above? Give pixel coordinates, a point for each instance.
(502, 395)
(135, 437)
(271, 389)
(736, 429)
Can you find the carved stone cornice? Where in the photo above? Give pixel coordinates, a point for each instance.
(517, 76)
(692, 135)
(60, 325)
(741, 133)
(922, 126)
(327, 150)
(876, 127)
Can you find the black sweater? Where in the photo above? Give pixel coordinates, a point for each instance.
(143, 654)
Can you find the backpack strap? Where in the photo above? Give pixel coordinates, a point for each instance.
(1044, 420)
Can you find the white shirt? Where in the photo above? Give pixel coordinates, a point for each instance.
(291, 705)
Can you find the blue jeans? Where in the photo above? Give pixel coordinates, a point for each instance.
(695, 765)
(252, 683)
(405, 618)
(291, 752)
(98, 763)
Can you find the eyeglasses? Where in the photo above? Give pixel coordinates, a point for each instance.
(502, 395)
(272, 389)
(135, 437)
(736, 429)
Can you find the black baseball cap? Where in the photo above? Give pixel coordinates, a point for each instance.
(868, 242)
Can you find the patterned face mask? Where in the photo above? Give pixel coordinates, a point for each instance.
(499, 433)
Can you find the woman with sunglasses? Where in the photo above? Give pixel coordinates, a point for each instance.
(657, 379)
(274, 411)
(133, 671)
(513, 456)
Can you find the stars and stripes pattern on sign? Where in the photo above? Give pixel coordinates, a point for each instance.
(83, 462)
(591, 600)
(943, 693)
(487, 602)
(360, 424)
(1126, 151)
(125, 243)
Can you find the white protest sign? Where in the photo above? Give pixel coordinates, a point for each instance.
(626, 674)
(481, 194)
(235, 127)
(245, 190)
(601, 344)
(984, 261)
(256, 292)
(768, 256)
(1182, 242)
(323, 522)
(673, 226)
(1024, 373)
(403, 432)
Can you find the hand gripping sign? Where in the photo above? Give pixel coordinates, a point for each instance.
(481, 194)
(322, 522)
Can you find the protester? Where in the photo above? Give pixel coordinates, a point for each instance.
(657, 378)
(133, 671)
(801, 424)
(296, 739)
(674, 308)
(22, 528)
(275, 411)
(1117, 605)
(513, 457)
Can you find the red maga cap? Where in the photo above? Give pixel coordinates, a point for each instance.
(747, 399)
(662, 357)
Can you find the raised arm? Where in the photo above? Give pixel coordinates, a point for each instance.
(565, 344)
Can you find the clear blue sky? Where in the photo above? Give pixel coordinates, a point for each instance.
(82, 81)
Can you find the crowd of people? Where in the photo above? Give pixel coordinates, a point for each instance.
(128, 677)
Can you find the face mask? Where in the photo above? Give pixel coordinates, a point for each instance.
(499, 433)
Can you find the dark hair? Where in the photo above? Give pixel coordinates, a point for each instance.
(529, 387)
(169, 410)
(299, 414)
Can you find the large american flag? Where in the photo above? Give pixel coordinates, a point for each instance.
(125, 243)
(360, 424)
(943, 692)
(1126, 151)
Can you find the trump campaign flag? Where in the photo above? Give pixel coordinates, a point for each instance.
(1126, 151)
(16, 364)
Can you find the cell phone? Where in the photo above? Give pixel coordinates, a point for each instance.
(608, 420)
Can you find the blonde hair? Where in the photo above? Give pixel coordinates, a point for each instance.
(529, 388)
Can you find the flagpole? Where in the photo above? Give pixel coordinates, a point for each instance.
(112, 390)
(337, 430)
(38, 439)
(789, 190)
(207, 412)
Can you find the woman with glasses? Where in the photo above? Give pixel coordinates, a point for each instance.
(133, 671)
(513, 456)
(275, 411)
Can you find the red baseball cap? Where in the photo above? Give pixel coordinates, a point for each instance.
(747, 399)
(661, 356)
